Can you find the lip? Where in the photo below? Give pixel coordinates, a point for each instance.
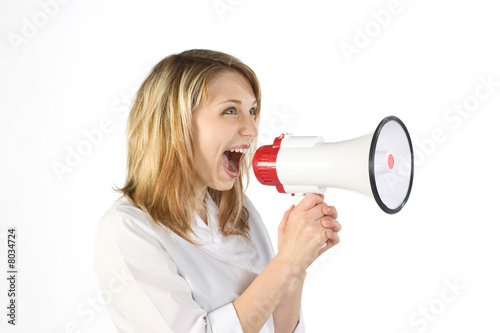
(230, 173)
(239, 147)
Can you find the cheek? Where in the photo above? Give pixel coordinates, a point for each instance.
(206, 150)
(201, 139)
(205, 131)
(210, 138)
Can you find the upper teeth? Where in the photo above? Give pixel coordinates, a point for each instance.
(243, 151)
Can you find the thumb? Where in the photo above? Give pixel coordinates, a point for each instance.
(282, 226)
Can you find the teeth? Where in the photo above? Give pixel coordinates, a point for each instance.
(243, 151)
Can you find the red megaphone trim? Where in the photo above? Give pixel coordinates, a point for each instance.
(264, 164)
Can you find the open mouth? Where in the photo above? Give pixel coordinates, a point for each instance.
(231, 161)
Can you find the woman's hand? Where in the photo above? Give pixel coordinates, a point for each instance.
(277, 290)
(304, 230)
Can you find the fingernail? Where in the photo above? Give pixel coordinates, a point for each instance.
(329, 209)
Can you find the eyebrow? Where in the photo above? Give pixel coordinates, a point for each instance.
(236, 101)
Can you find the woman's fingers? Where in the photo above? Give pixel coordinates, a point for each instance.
(329, 223)
(316, 207)
(331, 235)
(321, 210)
(305, 228)
(330, 210)
(332, 227)
(329, 244)
(310, 201)
(282, 225)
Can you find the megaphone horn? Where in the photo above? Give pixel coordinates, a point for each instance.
(379, 164)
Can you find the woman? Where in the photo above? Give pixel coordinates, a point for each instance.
(194, 249)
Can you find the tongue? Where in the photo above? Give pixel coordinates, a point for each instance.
(231, 161)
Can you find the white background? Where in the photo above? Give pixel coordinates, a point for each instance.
(67, 73)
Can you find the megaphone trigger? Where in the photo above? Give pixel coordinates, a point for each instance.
(303, 191)
(298, 198)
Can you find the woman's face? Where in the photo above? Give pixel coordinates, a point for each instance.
(223, 130)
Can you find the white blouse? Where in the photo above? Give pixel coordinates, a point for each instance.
(155, 281)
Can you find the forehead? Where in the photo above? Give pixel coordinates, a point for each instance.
(230, 84)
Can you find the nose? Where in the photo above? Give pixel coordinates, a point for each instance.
(249, 127)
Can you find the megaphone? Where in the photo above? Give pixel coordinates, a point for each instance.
(379, 164)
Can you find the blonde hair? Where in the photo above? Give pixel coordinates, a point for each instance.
(160, 143)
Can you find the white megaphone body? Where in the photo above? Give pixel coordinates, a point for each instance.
(379, 164)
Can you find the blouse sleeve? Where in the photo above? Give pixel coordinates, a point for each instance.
(263, 234)
(142, 287)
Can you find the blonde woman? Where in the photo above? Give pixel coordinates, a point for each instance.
(189, 249)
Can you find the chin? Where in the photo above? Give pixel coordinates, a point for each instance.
(223, 185)
(226, 187)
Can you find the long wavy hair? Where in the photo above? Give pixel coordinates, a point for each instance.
(160, 142)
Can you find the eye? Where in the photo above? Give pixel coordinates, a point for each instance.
(230, 110)
(252, 112)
